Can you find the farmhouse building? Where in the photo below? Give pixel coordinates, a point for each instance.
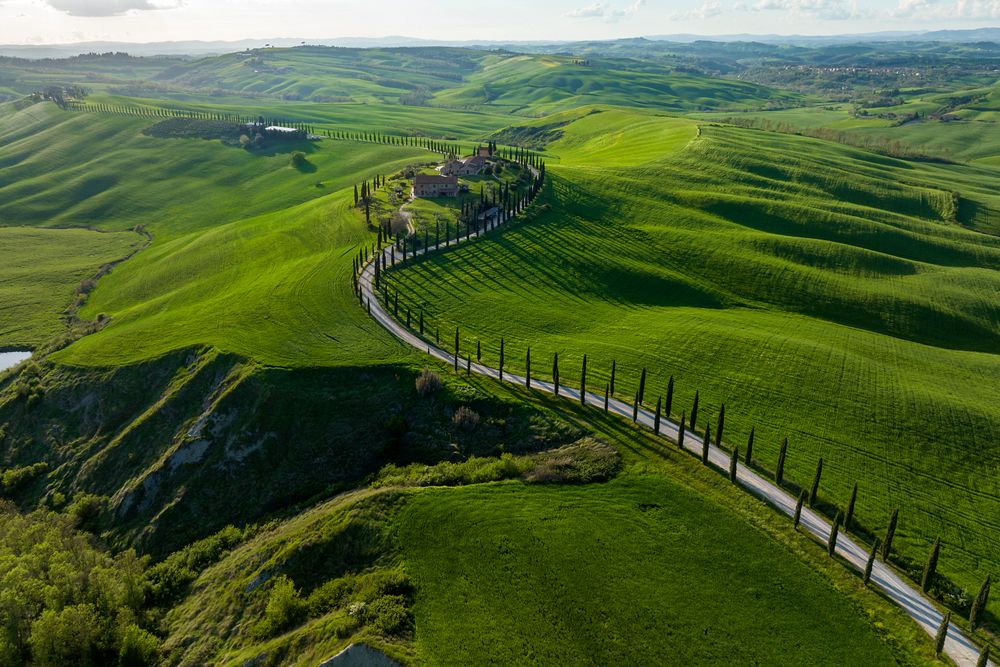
(435, 186)
(472, 166)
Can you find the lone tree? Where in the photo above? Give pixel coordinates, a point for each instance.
(456, 349)
(583, 382)
(680, 433)
(719, 425)
(656, 417)
(694, 410)
(733, 463)
(931, 566)
(635, 408)
(501, 359)
(779, 473)
(871, 561)
(814, 492)
(705, 443)
(942, 634)
(614, 369)
(850, 508)
(890, 532)
(979, 604)
(479, 350)
(798, 509)
(642, 386)
(607, 396)
(749, 456)
(831, 544)
(527, 368)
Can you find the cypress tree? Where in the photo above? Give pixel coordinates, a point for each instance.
(456, 349)
(421, 322)
(642, 386)
(437, 335)
(850, 507)
(871, 562)
(749, 456)
(395, 306)
(705, 443)
(607, 396)
(479, 350)
(635, 408)
(779, 473)
(555, 372)
(694, 410)
(890, 532)
(680, 433)
(930, 568)
(814, 492)
(501, 359)
(583, 382)
(669, 404)
(614, 367)
(733, 463)
(979, 604)
(656, 418)
(984, 657)
(720, 425)
(798, 509)
(942, 634)
(527, 368)
(468, 364)
(831, 544)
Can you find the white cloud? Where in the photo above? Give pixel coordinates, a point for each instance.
(600, 10)
(108, 7)
(832, 10)
(708, 9)
(932, 10)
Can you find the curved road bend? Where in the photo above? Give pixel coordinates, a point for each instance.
(957, 646)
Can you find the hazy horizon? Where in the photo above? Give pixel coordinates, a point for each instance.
(36, 22)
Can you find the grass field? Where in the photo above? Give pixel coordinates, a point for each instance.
(40, 272)
(823, 293)
(666, 560)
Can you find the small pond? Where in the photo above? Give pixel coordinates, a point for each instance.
(11, 359)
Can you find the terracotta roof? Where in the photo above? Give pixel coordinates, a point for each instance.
(425, 179)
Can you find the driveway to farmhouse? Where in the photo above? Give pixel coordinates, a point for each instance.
(957, 646)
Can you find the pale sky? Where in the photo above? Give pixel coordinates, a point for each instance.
(60, 21)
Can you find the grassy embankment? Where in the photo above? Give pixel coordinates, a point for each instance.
(822, 293)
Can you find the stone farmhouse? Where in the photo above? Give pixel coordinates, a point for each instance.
(472, 166)
(435, 186)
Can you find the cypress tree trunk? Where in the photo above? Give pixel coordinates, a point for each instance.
(583, 382)
(656, 418)
(779, 473)
(749, 456)
(614, 368)
(850, 507)
(720, 425)
(680, 433)
(814, 492)
(733, 462)
(798, 509)
(642, 386)
(527, 369)
(890, 532)
(979, 604)
(942, 635)
(635, 408)
(669, 404)
(831, 544)
(555, 372)
(930, 568)
(705, 443)
(984, 657)
(871, 561)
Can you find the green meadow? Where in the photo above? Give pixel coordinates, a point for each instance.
(822, 293)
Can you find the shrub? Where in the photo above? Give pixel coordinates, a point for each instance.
(15, 478)
(285, 608)
(388, 615)
(138, 648)
(583, 462)
(299, 160)
(428, 382)
(465, 418)
(86, 509)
